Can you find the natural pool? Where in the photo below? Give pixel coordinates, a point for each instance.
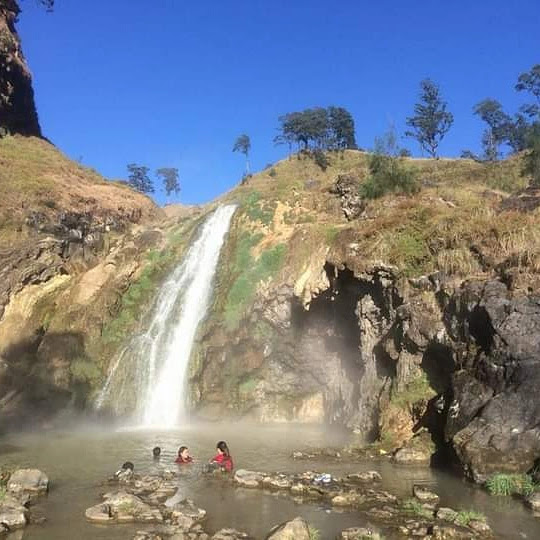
(79, 460)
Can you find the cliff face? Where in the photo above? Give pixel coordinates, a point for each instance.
(392, 317)
(17, 108)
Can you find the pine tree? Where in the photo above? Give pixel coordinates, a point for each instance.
(138, 178)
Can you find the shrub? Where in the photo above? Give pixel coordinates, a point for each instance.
(510, 484)
(84, 371)
(314, 534)
(415, 507)
(272, 172)
(464, 517)
(321, 159)
(532, 157)
(388, 174)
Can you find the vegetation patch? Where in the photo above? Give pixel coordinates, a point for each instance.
(85, 371)
(417, 390)
(249, 272)
(418, 509)
(510, 484)
(259, 209)
(464, 517)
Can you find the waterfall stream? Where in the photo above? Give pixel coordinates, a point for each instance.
(149, 374)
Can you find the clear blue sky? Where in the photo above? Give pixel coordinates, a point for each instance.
(173, 82)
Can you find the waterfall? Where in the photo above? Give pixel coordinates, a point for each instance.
(150, 373)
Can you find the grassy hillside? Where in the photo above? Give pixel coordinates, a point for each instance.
(37, 182)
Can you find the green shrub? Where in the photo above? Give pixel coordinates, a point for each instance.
(464, 517)
(531, 159)
(415, 507)
(257, 210)
(510, 484)
(321, 159)
(272, 172)
(314, 534)
(388, 174)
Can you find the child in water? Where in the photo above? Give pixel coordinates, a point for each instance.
(156, 452)
(223, 458)
(183, 456)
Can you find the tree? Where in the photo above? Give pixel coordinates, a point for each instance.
(138, 178)
(243, 145)
(341, 127)
(532, 156)
(490, 111)
(431, 120)
(169, 177)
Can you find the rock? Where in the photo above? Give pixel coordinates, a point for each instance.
(296, 528)
(230, 534)
(186, 514)
(533, 502)
(29, 481)
(280, 481)
(365, 477)
(347, 187)
(480, 527)
(13, 515)
(425, 495)
(122, 507)
(250, 479)
(350, 498)
(448, 514)
(407, 455)
(359, 533)
(442, 532)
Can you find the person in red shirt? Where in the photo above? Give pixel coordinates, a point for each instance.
(223, 458)
(183, 456)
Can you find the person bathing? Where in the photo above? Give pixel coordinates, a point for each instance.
(183, 456)
(223, 458)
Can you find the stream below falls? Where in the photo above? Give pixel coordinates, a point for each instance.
(79, 461)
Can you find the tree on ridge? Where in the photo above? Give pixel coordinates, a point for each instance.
(138, 178)
(431, 120)
(169, 177)
(243, 145)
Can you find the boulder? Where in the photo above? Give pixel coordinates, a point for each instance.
(448, 514)
(13, 515)
(250, 479)
(122, 507)
(365, 477)
(359, 533)
(297, 528)
(425, 495)
(278, 481)
(533, 502)
(29, 481)
(185, 514)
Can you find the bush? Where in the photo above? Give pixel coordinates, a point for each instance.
(464, 517)
(532, 157)
(321, 159)
(388, 174)
(510, 484)
(272, 172)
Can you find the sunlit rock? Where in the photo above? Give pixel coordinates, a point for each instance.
(297, 528)
(30, 481)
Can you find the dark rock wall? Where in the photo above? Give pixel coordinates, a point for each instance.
(17, 107)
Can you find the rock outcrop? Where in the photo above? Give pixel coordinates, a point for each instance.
(17, 108)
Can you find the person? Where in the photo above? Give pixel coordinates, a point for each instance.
(156, 452)
(223, 458)
(125, 473)
(183, 456)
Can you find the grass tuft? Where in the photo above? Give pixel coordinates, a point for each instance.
(510, 484)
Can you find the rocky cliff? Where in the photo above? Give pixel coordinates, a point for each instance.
(17, 108)
(395, 318)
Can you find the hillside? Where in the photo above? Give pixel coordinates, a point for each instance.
(380, 315)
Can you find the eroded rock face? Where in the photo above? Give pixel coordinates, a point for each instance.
(347, 187)
(17, 107)
(495, 397)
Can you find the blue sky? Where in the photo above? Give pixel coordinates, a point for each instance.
(171, 83)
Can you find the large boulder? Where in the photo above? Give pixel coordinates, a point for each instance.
(250, 479)
(297, 528)
(186, 514)
(28, 481)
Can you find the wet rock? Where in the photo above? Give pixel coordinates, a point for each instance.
(122, 507)
(409, 455)
(186, 514)
(425, 495)
(442, 532)
(480, 527)
(174, 533)
(365, 477)
(533, 502)
(13, 515)
(446, 513)
(29, 481)
(350, 498)
(280, 481)
(249, 479)
(297, 528)
(359, 533)
(230, 534)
